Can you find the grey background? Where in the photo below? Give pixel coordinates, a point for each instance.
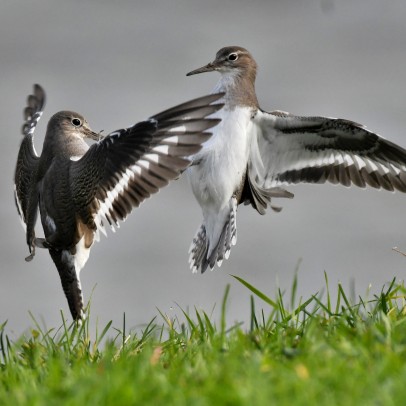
(120, 62)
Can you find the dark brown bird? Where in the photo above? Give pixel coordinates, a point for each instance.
(76, 187)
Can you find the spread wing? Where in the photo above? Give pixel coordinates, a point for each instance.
(127, 166)
(293, 149)
(27, 161)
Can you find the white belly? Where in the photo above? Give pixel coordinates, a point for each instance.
(223, 161)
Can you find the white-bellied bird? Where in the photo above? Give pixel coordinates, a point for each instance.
(253, 153)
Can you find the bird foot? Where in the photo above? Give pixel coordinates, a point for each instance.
(40, 243)
(30, 257)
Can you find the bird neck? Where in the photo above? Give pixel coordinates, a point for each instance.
(239, 89)
(63, 145)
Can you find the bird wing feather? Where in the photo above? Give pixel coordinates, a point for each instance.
(129, 165)
(293, 149)
(25, 195)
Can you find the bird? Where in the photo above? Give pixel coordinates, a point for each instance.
(79, 188)
(253, 155)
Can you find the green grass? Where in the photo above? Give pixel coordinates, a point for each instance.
(319, 351)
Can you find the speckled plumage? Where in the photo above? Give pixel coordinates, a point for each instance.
(77, 188)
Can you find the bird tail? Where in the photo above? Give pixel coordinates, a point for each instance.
(64, 262)
(202, 255)
(198, 250)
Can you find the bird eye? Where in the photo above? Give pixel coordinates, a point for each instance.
(233, 57)
(76, 122)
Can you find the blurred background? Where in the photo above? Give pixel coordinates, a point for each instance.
(120, 62)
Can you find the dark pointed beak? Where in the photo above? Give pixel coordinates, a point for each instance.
(89, 133)
(210, 67)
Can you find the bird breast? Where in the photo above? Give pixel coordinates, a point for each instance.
(221, 164)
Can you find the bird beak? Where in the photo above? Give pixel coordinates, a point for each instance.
(89, 133)
(210, 67)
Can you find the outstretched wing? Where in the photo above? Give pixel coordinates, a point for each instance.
(27, 160)
(294, 149)
(126, 167)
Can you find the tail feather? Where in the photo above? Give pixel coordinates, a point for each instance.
(65, 264)
(217, 254)
(201, 257)
(198, 251)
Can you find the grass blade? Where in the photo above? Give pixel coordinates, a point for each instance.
(257, 292)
